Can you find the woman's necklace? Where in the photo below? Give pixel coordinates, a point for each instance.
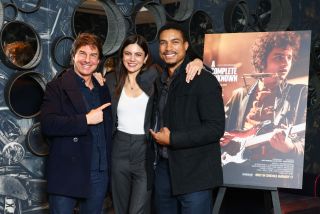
(131, 86)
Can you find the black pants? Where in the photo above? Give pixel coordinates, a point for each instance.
(128, 174)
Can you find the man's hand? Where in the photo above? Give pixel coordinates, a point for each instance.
(162, 137)
(228, 144)
(193, 68)
(280, 142)
(95, 116)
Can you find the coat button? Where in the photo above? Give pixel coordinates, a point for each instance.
(75, 139)
(73, 159)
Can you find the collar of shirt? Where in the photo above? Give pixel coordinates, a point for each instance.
(82, 84)
(166, 79)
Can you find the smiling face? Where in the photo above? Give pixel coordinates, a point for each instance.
(86, 60)
(172, 48)
(279, 62)
(133, 58)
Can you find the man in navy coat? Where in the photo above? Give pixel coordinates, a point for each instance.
(76, 119)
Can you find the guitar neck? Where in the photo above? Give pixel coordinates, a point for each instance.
(256, 140)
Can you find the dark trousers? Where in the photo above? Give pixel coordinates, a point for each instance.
(93, 204)
(129, 176)
(166, 203)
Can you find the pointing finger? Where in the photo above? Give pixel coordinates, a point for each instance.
(104, 106)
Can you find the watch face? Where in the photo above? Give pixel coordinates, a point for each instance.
(125, 6)
(200, 24)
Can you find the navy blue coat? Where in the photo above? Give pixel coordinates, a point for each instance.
(63, 122)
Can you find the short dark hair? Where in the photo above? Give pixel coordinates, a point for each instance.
(174, 26)
(87, 39)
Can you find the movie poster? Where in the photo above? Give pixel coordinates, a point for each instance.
(264, 78)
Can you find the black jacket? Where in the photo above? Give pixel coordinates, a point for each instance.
(194, 113)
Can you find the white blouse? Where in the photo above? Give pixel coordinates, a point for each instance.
(131, 113)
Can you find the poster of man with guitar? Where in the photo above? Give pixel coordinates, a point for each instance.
(265, 86)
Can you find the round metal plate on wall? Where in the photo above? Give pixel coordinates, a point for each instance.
(20, 45)
(148, 19)
(10, 12)
(36, 142)
(236, 16)
(269, 13)
(129, 25)
(24, 92)
(29, 6)
(178, 10)
(102, 18)
(200, 24)
(13, 152)
(125, 6)
(61, 50)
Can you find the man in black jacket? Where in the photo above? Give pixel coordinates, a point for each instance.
(191, 121)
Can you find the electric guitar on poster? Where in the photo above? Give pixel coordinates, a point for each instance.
(236, 142)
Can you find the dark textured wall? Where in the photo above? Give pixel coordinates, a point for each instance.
(22, 183)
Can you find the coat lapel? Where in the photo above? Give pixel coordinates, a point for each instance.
(73, 91)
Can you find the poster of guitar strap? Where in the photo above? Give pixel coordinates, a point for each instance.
(264, 79)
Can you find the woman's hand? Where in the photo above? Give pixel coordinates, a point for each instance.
(193, 68)
(101, 80)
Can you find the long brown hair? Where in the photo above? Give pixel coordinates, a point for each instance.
(122, 72)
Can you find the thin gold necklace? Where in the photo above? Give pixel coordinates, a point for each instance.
(131, 87)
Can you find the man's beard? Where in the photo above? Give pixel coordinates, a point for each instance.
(171, 65)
